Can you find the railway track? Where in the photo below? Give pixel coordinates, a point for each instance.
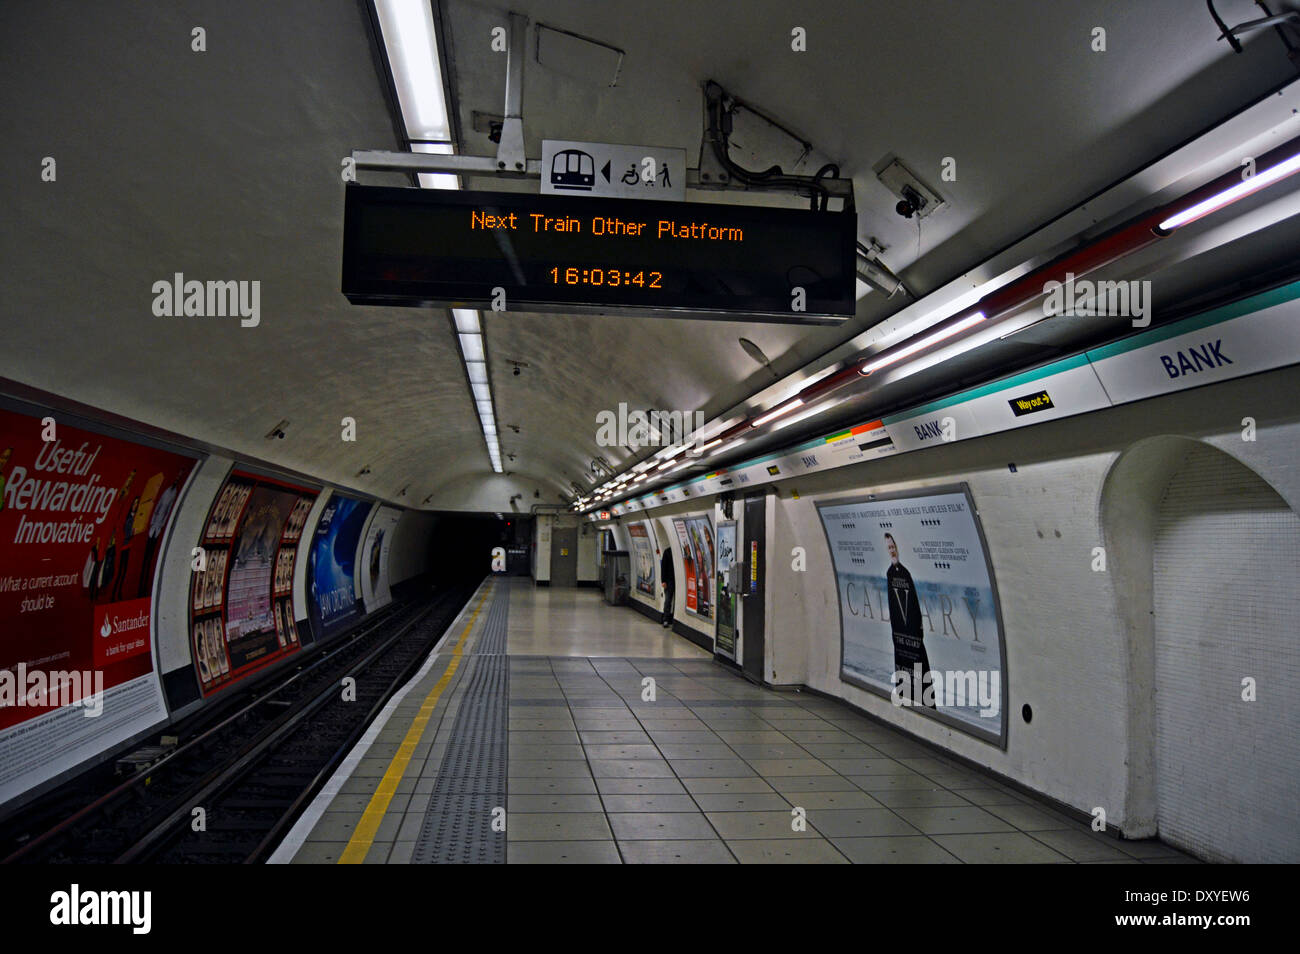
(228, 793)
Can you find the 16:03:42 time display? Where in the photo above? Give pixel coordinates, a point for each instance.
(613, 277)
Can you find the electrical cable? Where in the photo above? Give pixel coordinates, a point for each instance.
(829, 168)
(1223, 27)
(773, 176)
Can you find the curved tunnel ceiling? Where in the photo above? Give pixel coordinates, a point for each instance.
(226, 165)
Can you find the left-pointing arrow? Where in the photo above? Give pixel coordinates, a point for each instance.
(605, 171)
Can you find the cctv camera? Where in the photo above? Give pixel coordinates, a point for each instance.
(516, 370)
(911, 203)
(280, 434)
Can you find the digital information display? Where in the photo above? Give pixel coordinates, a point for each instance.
(407, 246)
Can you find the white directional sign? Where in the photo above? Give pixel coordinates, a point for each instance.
(604, 169)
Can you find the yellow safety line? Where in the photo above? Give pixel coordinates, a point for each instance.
(364, 835)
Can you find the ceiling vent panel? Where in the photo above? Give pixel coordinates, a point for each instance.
(578, 57)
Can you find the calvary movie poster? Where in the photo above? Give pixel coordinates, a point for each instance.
(919, 619)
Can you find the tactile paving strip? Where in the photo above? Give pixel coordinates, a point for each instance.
(471, 782)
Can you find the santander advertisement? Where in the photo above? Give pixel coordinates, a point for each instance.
(82, 520)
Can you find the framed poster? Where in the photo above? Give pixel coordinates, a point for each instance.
(375, 592)
(84, 518)
(333, 590)
(644, 555)
(724, 641)
(688, 565)
(700, 532)
(241, 610)
(920, 621)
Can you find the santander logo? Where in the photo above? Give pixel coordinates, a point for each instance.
(123, 630)
(122, 618)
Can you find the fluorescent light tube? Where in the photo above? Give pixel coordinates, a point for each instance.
(875, 364)
(436, 180)
(1245, 187)
(776, 412)
(472, 347)
(407, 28)
(466, 321)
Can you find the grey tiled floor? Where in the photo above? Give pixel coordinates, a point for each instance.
(717, 770)
(713, 770)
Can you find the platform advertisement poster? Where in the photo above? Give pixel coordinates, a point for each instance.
(332, 591)
(725, 640)
(645, 557)
(375, 592)
(920, 621)
(700, 530)
(83, 518)
(688, 564)
(241, 605)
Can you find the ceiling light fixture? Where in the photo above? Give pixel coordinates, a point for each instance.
(471, 347)
(1260, 180)
(410, 40)
(894, 355)
(776, 412)
(411, 43)
(436, 180)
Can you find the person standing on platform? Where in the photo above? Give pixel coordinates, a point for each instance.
(669, 581)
